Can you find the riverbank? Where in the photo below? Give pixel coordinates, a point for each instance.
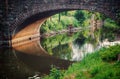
(54, 33)
(102, 64)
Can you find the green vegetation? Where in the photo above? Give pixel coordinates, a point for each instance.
(53, 24)
(55, 73)
(59, 43)
(110, 54)
(58, 39)
(93, 66)
(64, 51)
(110, 29)
(101, 64)
(82, 18)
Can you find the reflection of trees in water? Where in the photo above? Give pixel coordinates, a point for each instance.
(79, 52)
(59, 45)
(62, 51)
(87, 38)
(80, 40)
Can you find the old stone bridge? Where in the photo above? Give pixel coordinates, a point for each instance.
(17, 14)
(21, 19)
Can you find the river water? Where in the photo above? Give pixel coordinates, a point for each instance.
(69, 47)
(61, 50)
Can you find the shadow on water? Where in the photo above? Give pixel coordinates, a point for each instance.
(17, 64)
(11, 67)
(42, 63)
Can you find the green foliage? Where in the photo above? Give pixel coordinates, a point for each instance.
(53, 24)
(80, 39)
(64, 51)
(110, 29)
(93, 66)
(83, 17)
(98, 16)
(54, 41)
(110, 54)
(59, 43)
(79, 15)
(55, 74)
(68, 13)
(65, 21)
(110, 23)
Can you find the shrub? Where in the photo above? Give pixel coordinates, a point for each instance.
(95, 70)
(56, 73)
(110, 54)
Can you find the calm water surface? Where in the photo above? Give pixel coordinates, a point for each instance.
(73, 47)
(60, 50)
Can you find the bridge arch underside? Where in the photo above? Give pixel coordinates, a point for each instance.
(26, 12)
(26, 27)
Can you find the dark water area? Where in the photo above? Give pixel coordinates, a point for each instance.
(19, 65)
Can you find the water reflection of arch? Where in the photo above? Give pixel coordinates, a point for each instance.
(28, 39)
(29, 50)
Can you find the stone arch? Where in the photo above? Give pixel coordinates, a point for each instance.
(37, 11)
(45, 8)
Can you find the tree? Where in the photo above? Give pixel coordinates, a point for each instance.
(59, 16)
(79, 15)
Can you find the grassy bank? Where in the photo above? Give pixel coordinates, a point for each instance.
(102, 64)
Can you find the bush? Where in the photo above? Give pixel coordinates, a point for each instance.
(110, 54)
(54, 74)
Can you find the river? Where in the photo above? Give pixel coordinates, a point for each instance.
(60, 50)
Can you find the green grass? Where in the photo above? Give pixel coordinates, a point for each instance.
(102, 64)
